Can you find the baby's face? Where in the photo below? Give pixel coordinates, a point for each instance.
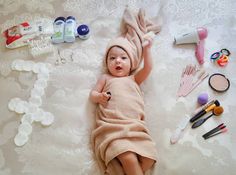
(118, 62)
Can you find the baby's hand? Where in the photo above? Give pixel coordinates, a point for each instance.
(148, 40)
(103, 98)
(147, 43)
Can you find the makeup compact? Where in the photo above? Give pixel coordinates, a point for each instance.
(218, 82)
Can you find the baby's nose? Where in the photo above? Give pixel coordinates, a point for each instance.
(118, 59)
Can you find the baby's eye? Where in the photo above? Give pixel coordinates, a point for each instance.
(123, 58)
(112, 58)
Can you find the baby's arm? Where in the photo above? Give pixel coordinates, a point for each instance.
(142, 74)
(96, 94)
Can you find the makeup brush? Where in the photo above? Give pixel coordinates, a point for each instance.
(204, 111)
(218, 128)
(222, 131)
(203, 107)
(216, 111)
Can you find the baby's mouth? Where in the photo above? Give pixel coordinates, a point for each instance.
(118, 67)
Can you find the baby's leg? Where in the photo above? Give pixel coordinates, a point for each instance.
(146, 163)
(130, 163)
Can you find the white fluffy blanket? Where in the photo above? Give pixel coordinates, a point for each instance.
(64, 147)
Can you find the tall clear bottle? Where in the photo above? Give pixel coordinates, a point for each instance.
(70, 27)
(58, 26)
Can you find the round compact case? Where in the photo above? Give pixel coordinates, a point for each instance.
(218, 82)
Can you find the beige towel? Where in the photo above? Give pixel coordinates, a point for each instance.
(120, 126)
(133, 28)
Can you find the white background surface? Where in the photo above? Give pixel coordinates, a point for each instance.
(64, 148)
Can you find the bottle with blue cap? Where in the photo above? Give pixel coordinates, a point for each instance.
(70, 28)
(58, 26)
(83, 31)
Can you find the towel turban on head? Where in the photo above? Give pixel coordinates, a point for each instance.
(133, 27)
(125, 44)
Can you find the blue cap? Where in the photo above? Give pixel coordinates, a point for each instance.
(60, 18)
(83, 29)
(70, 17)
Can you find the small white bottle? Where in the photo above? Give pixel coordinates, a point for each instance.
(70, 25)
(58, 26)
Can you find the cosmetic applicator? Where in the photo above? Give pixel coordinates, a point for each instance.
(214, 130)
(204, 111)
(218, 110)
(217, 133)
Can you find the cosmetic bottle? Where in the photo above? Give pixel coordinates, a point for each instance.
(58, 26)
(70, 27)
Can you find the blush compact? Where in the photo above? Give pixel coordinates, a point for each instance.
(218, 82)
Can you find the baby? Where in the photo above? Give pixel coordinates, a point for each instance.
(120, 140)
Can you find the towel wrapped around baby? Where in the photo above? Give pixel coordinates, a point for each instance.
(120, 126)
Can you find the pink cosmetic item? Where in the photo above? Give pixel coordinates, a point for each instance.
(197, 36)
(187, 84)
(214, 130)
(217, 130)
(217, 133)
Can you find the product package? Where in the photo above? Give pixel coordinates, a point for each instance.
(19, 35)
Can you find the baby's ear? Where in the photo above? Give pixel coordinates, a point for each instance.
(105, 70)
(104, 66)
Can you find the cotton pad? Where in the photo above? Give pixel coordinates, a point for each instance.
(25, 128)
(48, 119)
(27, 118)
(21, 139)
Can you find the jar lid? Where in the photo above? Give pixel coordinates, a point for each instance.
(60, 18)
(83, 29)
(70, 17)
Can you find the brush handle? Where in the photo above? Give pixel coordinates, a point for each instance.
(197, 116)
(218, 128)
(216, 133)
(201, 121)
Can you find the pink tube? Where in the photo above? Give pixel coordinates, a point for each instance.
(199, 52)
(202, 33)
